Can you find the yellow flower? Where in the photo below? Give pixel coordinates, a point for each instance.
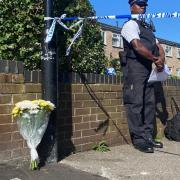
(29, 106)
(43, 104)
(35, 101)
(15, 111)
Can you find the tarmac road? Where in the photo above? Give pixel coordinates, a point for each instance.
(49, 172)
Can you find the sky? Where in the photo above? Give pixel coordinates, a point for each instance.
(168, 28)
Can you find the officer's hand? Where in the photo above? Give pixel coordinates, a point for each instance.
(159, 62)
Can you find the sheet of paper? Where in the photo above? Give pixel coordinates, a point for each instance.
(159, 76)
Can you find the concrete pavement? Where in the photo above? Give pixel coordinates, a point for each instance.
(121, 163)
(125, 162)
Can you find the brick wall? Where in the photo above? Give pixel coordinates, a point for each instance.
(96, 114)
(15, 85)
(90, 109)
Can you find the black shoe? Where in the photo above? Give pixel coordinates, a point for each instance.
(144, 147)
(154, 143)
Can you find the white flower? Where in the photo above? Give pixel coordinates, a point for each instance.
(24, 105)
(33, 107)
(51, 104)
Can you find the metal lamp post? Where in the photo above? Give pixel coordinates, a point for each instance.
(49, 86)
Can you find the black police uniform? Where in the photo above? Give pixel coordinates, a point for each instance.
(138, 94)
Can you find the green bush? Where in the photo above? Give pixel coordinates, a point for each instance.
(117, 66)
(173, 77)
(21, 24)
(87, 53)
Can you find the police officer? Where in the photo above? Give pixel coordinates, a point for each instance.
(142, 50)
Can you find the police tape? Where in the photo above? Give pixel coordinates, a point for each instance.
(59, 21)
(137, 16)
(80, 22)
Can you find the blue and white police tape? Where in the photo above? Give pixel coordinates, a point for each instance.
(59, 21)
(136, 16)
(50, 31)
(133, 16)
(74, 39)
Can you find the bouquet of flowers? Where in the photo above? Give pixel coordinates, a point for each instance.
(32, 119)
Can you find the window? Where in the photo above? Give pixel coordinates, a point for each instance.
(117, 40)
(168, 51)
(103, 34)
(178, 72)
(178, 53)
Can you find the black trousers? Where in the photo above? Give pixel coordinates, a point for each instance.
(139, 101)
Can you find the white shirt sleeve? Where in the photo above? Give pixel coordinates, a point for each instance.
(130, 31)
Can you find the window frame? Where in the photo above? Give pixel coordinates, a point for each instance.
(178, 53)
(119, 40)
(103, 35)
(168, 54)
(178, 70)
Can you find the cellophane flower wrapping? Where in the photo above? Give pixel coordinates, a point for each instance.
(32, 119)
(32, 127)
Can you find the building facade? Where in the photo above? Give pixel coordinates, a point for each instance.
(113, 43)
(172, 51)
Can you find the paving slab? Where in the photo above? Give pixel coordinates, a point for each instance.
(125, 162)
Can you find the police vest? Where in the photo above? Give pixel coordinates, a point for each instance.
(146, 37)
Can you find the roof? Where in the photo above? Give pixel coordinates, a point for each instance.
(170, 43)
(115, 29)
(108, 27)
